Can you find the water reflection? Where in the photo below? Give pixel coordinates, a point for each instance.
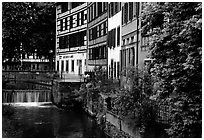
(47, 121)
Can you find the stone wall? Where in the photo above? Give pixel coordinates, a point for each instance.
(63, 93)
(123, 126)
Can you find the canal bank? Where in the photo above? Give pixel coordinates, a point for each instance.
(95, 105)
(35, 115)
(88, 98)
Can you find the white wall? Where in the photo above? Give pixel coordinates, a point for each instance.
(70, 57)
(114, 53)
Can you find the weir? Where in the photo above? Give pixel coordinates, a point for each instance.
(21, 96)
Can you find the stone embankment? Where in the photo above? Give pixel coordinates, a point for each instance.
(113, 125)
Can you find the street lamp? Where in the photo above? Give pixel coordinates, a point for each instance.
(51, 59)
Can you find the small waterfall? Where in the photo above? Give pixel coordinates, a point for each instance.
(20, 96)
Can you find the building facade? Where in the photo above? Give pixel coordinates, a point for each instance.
(71, 40)
(97, 30)
(93, 34)
(114, 39)
(134, 48)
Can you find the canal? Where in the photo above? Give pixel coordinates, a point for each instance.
(44, 120)
(36, 117)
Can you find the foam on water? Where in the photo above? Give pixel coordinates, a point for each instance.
(30, 104)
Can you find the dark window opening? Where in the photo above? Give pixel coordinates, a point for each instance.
(61, 25)
(75, 4)
(97, 53)
(126, 13)
(57, 65)
(82, 18)
(65, 23)
(118, 35)
(77, 39)
(99, 8)
(71, 22)
(64, 6)
(114, 69)
(63, 42)
(72, 65)
(111, 68)
(130, 11)
(78, 19)
(118, 70)
(67, 65)
(62, 65)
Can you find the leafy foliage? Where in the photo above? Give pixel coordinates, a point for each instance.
(176, 48)
(29, 23)
(134, 101)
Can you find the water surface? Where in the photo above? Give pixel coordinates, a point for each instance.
(44, 120)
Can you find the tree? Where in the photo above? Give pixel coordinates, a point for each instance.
(176, 48)
(29, 24)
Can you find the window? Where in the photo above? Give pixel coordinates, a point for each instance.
(111, 38)
(65, 23)
(67, 65)
(64, 6)
(75, 4)
(62, 65)
(102, 51)
(77, 39)
(123, 15)
(118, 35)
(127, 41)
(123, 41)
(115, 7)
(89, 12)
(61, 25)
(132, 39)
(63, 42)
(137, 8)
(132, 56)
(78, 19)
(57, 65)
(126, 13)
(111, 68)
(99, 8)
(72, 65)
(102, 29)
(85, 15)
(90, 54)
(33, 66)
(98, 32)
(71, 22)
(97, 53)
(105, 6)
(111, 9)
(90, 34)
(105, 27)
(114, 69)
(118, 70)
(94, 33)
(109, 73)
(82, 18)
(74, 20)
(94, 11)
(130, 11)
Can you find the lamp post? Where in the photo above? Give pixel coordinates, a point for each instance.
(21, 57)
(51, 59)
